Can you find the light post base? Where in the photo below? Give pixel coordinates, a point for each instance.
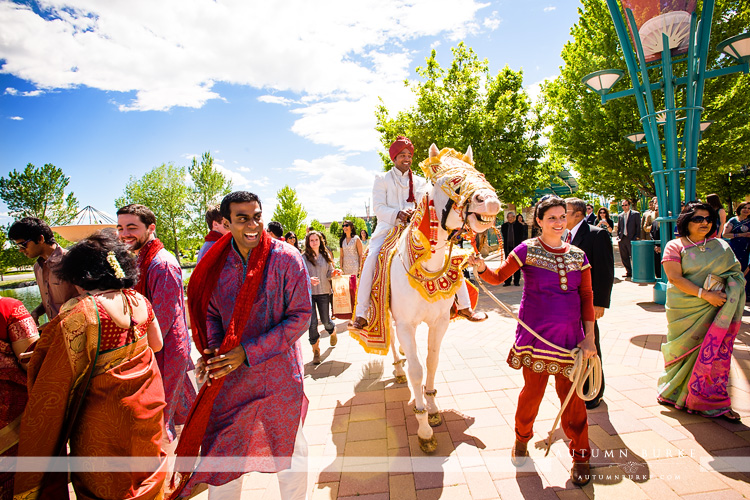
(660, 293)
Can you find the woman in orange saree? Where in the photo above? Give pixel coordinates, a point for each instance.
(94, 384)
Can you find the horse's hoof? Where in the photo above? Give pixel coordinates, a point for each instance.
(428, 445)
(434, 419)
(401, 379)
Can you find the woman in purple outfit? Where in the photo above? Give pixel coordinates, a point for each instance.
(558, 305)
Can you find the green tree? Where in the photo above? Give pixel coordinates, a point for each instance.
(316, 224)
(289, 211)
(10, 257)
(590, 136)
(335, 230)
(209, 187)
(39, 192)
(166, 193)
(464, 105)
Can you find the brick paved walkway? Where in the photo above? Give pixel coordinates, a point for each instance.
(642, 449)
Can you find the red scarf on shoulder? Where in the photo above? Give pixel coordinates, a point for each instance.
(212, 236)
(145, 256)
(201, 287)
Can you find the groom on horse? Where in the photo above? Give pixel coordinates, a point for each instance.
(395, 195)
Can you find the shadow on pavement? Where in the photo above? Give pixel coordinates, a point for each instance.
(650, 342)
(651, 306)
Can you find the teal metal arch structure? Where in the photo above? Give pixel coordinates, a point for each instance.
(562, 185)
(673, 155)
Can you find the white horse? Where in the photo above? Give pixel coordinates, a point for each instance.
(462, 198)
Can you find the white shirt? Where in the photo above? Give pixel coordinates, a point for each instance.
(625, 221)
(389, 193)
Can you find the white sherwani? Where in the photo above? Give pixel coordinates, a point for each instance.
(389, 193)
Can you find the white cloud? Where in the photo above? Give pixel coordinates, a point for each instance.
(172, 53)
(29, 93)
(276, 99)
(492, 22)
(16, 118)
(330, 186)
(534, 90)
(550, 8)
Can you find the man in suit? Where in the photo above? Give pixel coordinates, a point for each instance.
(508, 231)
(628, 230)
(596, 243)
(590, 215)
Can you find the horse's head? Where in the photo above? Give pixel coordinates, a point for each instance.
(460, 191)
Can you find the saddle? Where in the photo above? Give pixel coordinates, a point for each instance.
(419, 237)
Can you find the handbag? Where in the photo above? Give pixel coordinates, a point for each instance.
(714, 283)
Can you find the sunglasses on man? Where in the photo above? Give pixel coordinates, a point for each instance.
(23, 244)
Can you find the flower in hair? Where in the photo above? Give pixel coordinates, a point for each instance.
(115, 265)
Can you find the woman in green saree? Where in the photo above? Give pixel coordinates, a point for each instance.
(702, 323)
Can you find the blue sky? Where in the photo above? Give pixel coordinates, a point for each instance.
(280, 92)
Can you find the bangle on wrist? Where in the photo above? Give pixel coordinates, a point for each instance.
(700, 293)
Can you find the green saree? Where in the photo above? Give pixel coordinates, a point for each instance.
(700, 337)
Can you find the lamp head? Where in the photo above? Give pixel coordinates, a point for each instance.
(602, 81)
(737, 47)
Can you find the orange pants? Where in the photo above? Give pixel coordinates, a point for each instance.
(574, 419)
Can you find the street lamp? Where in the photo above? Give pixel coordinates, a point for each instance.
(602, 81)
(663, 32)
(636, 137)
(737, 47)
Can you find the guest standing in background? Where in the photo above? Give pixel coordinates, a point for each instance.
(35, 240)
(737, 231)
(291, 238)
(351, 249)
(604, 221)
(721, 214)
(216, 230)
(628, 230)
(320, 268)
(508, 232)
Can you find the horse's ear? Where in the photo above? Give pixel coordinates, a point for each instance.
(470, 154)
(434, 151)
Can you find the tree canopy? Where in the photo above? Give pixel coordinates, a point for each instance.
(209, 187)
(289, 211)
(39, 192)
(464, 105)
(590, 136)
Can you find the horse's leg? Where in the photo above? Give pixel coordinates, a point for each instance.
(434, 339)
(407, 339)
(398, 362)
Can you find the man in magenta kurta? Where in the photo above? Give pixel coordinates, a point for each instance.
(160, 281)
(257, 416)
